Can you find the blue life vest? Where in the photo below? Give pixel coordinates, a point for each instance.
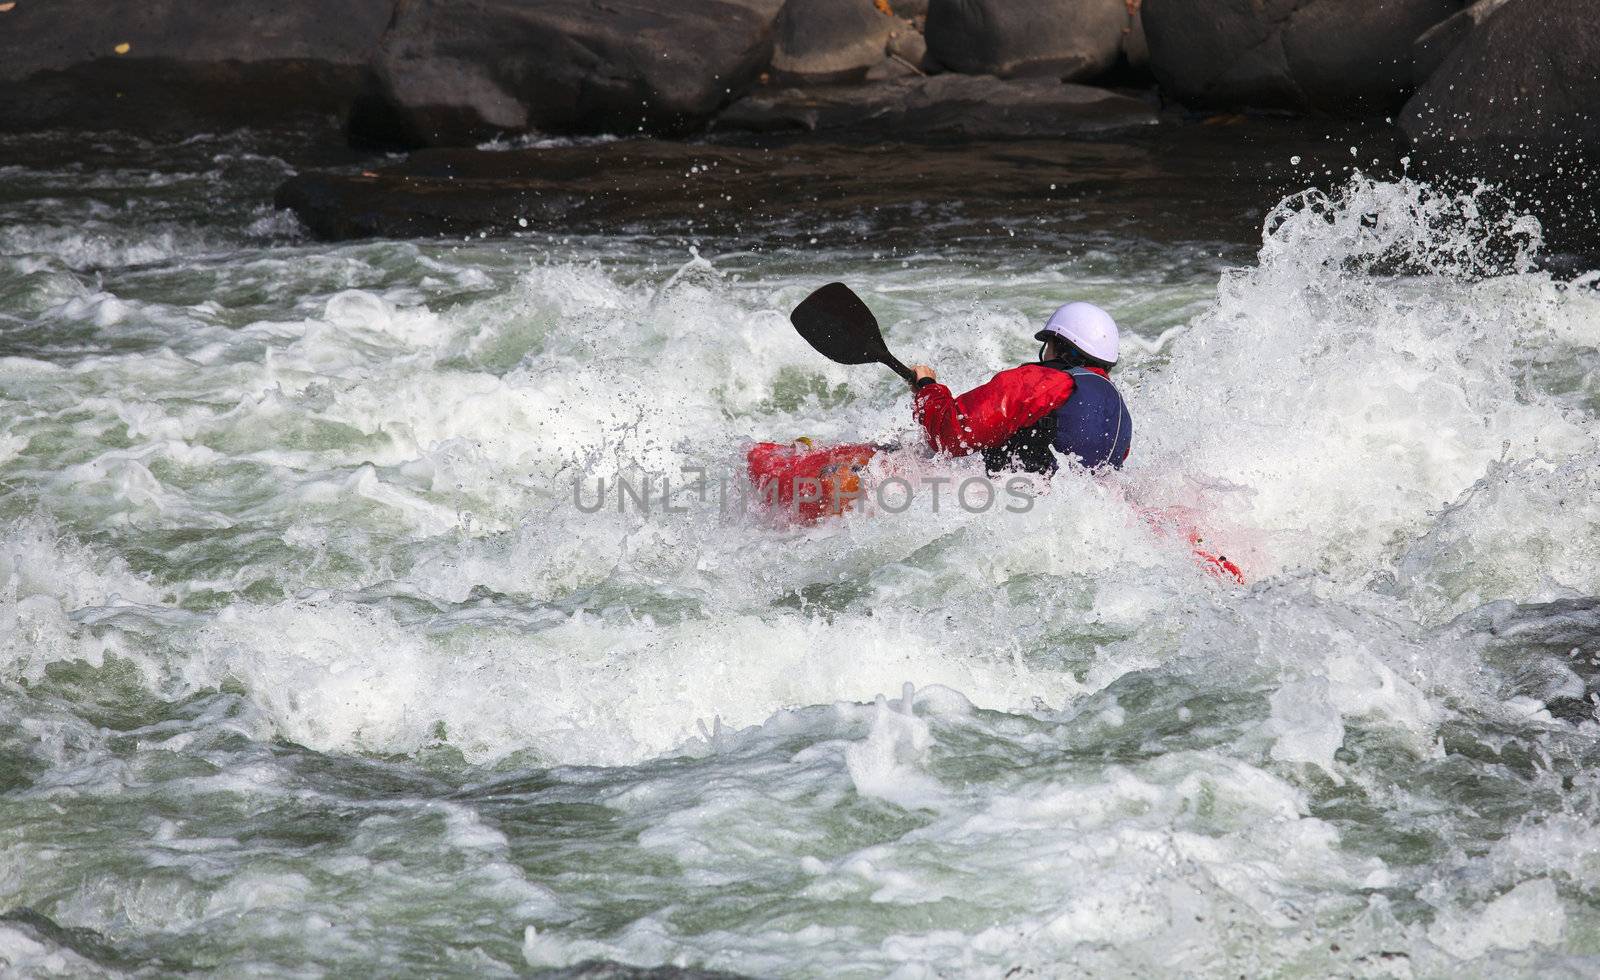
(1093, 426)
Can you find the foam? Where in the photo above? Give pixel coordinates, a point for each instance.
(1529, 914)
(887, 764)
(1348, 405)
(339, 677)
(1487, 544)
(1055, 865)
(44, 578)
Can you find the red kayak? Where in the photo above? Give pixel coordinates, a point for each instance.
(1180, 520)
(807, 481)
(810, 482)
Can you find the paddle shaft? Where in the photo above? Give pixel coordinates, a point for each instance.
(892, 363)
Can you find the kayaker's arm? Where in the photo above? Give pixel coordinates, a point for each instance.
(989, 414)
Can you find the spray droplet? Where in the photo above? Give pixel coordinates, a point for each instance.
(1295, 160)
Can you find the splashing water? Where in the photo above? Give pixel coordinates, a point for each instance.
(310, 659)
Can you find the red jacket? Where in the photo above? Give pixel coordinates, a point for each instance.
(989, 414)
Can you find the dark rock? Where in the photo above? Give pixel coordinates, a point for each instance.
(829, 40)
(1338, 56)
(183, 67)
(909, 8)
(1528, 75)
(943, 106)
(1135, 46)
(890, 69)
(1435, 44)
(457, 72)
(907, 44)
(1069, 39)
(1517, 102)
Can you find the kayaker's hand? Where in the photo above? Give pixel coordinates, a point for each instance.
(920, 371)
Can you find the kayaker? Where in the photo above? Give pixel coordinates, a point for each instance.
(1063, 403)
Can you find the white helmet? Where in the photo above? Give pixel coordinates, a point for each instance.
(1087, 326)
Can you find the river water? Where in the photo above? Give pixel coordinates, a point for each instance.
(312, 663)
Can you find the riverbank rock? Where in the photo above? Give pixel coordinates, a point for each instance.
(1517, 102)
(1525, 80)
(1069, 39)
(1434, 45)
(939, 107)
(829, 40)
(1135, 48)
(1336, 56)
(910, 48)
(458, 72)
(163, 67)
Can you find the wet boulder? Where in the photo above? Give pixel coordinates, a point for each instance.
(161, 67)
(458, 72)
(1434, 45)
(1527, 79)
(908, 47)
(1335, 56)
(829, 40)
(1135, 49)
(1069, 39)
(1517, 102)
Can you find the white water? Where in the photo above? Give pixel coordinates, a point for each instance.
(308, 658)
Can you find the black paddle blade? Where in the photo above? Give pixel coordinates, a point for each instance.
(835, 322)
